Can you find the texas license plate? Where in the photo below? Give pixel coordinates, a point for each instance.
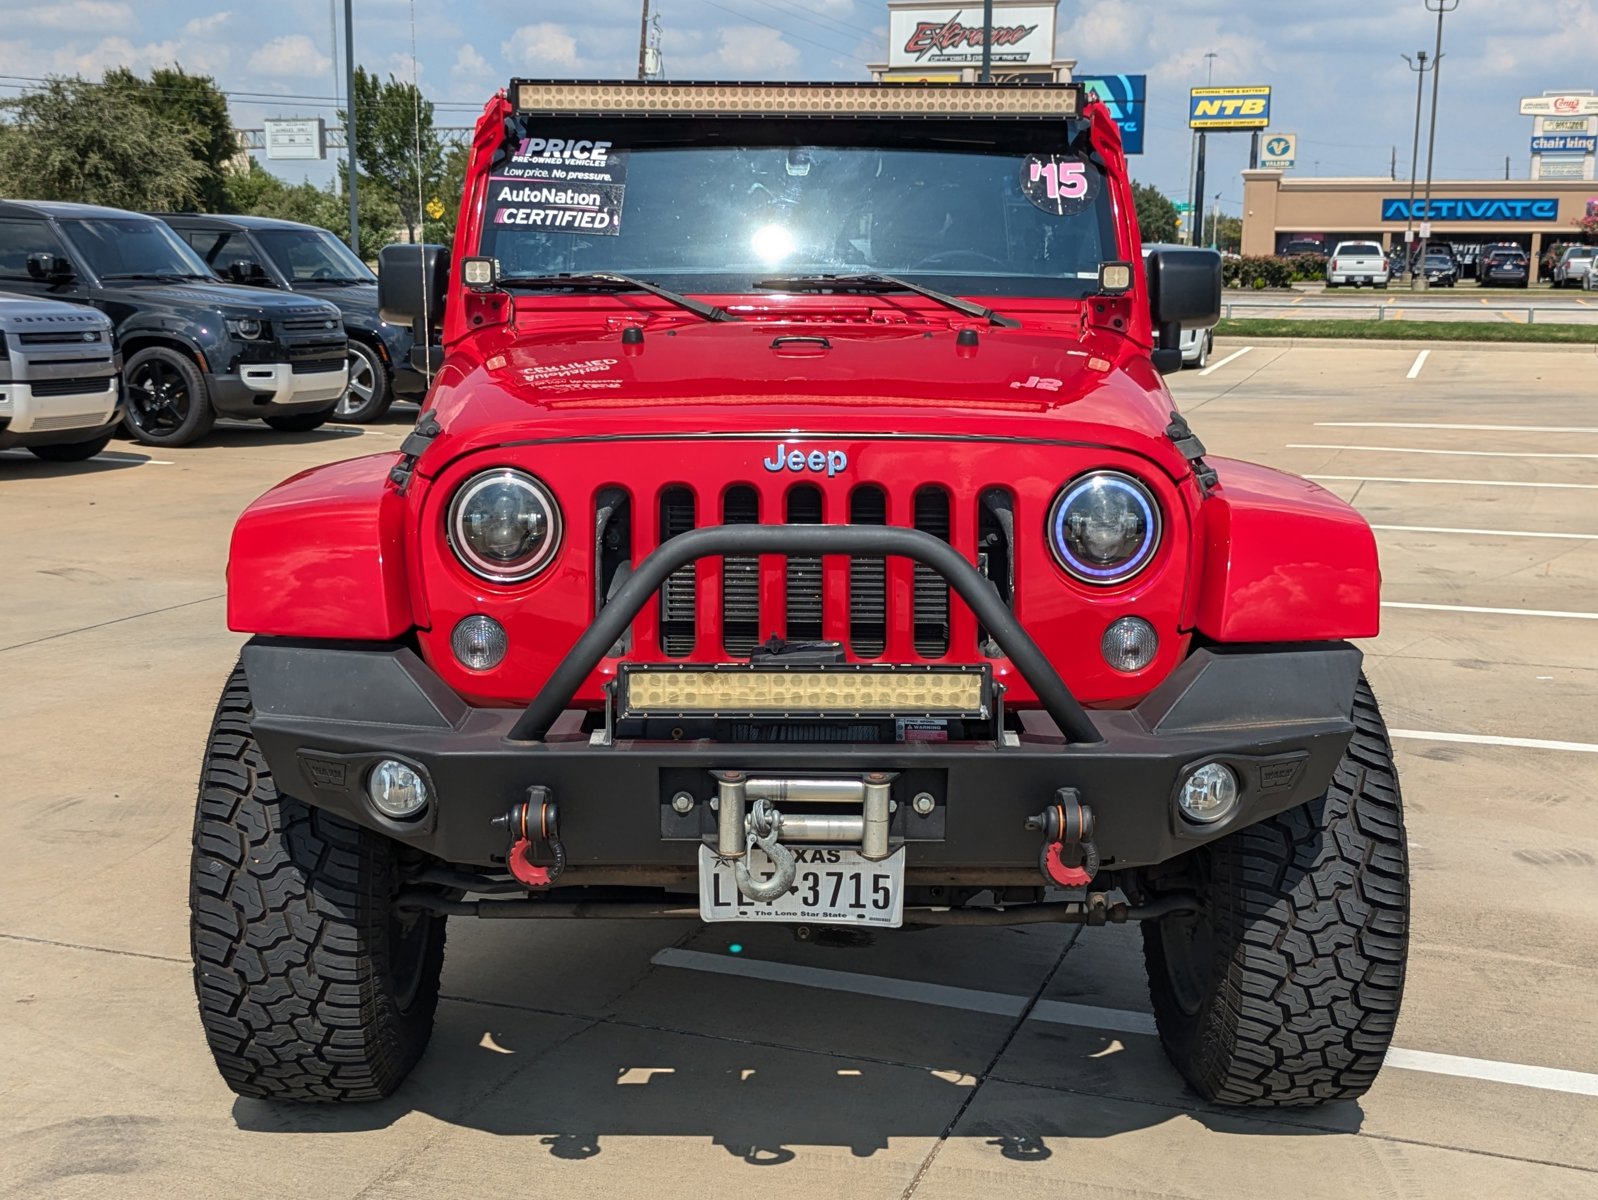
(830, 887)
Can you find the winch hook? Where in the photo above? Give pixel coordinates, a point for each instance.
(534, 826)
(1067, 828)
(764, 824)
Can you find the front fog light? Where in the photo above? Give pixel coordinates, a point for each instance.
(396, 789)
(479, 642)
(1129, 644)
(1209, 794)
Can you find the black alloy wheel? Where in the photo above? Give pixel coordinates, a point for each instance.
(167, 400)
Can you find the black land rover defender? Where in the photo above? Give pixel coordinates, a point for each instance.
(194, 348)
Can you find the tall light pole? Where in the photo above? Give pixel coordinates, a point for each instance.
(1417, 65)
(1441, 8)
(643, 44)
(349, 127)
(987, 40)
(1195, 195)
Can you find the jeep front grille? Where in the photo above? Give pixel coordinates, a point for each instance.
(756, 597)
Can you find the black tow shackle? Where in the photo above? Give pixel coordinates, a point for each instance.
(1068, 858)
(536, 856)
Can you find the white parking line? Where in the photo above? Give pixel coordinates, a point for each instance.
(1420, 361)
(1482, 739)
(1216, 366)
(1439, 425)
(1427, 450)
(1586, 487)
(1585, 537)
(1088, 1016)
(1497, 612)
(113, 456)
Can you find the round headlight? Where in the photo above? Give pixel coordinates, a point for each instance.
(247, 328)
(1104, 527)
(504, 525)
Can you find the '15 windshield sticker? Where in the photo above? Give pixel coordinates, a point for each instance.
(1059, 184)
(559, 185)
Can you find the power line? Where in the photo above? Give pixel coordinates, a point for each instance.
(798, 37)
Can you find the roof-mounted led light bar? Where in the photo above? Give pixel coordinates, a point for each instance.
(637, 98)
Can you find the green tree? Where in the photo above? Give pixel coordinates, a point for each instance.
(70, 140)
(1156, 216)
(397, 150)
(259, 193)
(1223, 232)
(193, 103)
(451, 184)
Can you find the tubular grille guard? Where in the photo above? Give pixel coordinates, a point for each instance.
(746, 540)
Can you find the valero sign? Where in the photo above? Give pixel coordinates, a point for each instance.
(1229, 108)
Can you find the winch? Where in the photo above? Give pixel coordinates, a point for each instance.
(747, 815)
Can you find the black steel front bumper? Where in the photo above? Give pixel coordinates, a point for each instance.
(325, 714)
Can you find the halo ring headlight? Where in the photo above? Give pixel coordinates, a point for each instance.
(1104, 527)
(504, 525)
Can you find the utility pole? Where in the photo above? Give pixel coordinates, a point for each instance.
(987, 41)
(643, 43)
(349, 127)
(1417, 65)
(1392, 166)
(1441, 8)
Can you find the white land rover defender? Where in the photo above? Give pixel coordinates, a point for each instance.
(59, 368)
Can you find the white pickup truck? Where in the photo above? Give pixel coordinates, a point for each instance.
(58, 378)
(1358, 263)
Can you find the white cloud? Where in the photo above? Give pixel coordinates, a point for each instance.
(542, 49)
(207, 26)
(747, 51)
(288, 57)
(471, 75)
(103, 16)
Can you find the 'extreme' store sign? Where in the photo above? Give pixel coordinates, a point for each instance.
(1542, 209)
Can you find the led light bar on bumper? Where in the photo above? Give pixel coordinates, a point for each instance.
(837, 691)
(797, 99)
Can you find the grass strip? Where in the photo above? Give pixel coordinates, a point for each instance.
(1409, 331)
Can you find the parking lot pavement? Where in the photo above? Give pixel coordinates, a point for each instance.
(596, 1059)
(1397, 303)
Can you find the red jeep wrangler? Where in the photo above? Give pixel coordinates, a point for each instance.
(800, 531)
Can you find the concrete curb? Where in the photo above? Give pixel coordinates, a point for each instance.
(1417, 344)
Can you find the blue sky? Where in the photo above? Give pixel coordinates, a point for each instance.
(1340, 83)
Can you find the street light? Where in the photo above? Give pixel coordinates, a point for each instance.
(1441, 8)
(1418, 65)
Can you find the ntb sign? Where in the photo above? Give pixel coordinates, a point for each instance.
(1229, 108)
(1541, 209)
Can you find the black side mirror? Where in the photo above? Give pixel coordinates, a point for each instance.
(52, 267)
(247, 270)
(1184, 293)
(411, 283)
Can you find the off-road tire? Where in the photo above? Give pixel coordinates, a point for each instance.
(168, 401)
(310, 988)
(1284, 989)
(300, 422)
(71, 452)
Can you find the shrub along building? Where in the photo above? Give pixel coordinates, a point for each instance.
(1466, 214)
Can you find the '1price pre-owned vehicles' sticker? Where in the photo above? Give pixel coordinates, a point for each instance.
(559, 185)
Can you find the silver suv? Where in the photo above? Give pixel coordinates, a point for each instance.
(1574, 266)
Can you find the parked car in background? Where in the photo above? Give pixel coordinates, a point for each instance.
(1574, 265)
(268, 253)
(1589, 281)
(1441, 270)
(1504, 267)
(1358, 264)
(58, 379)
(1303, 246)
(194, 348)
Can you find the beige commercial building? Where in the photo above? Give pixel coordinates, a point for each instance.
(1467, 214)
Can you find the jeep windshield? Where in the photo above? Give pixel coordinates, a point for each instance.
(959, 207)
(313, 256)
(118, 248)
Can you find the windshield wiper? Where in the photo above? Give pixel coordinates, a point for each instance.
(883, 283)
(606, 281)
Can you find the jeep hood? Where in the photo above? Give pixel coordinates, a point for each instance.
(760, 379)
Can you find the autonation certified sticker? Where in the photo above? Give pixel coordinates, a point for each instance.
(560, 185)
